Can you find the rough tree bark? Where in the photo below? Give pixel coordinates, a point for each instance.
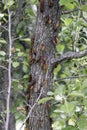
(42, 63)
(43, 45)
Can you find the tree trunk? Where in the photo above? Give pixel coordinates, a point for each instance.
(43, 47)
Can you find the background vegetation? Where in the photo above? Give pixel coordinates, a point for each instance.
(69, 95)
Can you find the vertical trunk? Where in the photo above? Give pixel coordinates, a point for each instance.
(43, 46)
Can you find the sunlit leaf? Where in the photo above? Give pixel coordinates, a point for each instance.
(50, 93)
(72, 122)
(21, 54)
(69, 6)
(68, 21)
(1, 15)
(26, 39)
(43, 100)
(57, 69)
(76, 94)
(63, 2)
(8, 3)
(68, 107)
(25, 68)
(60, 48)
(26, 76)
(3, 41)
(15, 64)
(84, 7)
(2, 53)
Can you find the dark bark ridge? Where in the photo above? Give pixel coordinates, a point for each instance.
(43, 49)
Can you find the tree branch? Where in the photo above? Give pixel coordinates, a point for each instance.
(4, 27)
(70, 77)
(85, 19)
(67, 56)
(68, 12)
(29, 114)
(3, 67)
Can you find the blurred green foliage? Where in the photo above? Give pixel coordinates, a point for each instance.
(69, 95)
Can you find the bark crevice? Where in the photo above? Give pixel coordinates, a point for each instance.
(42, 51)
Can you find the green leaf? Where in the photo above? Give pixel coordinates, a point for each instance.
(68, 21)
(60, 48)
(20, 27)
(25, 68)
(50, 93)
(2, 53)
(8, 3)
(1, 121)
(76, 94)
(70, 128)
(57, 125)
(26, 39)
(18, 49)
(3, 41)
(1, 15)
(57, 69)
(58, 98)
(2, 59)
(43, 100)
(84, 84)
(58, 111)
(72, 122)
(30, 12)
(68, 107)
(64, 2)
(21, 54)
(20, 86)
(85, 101)
(84, 7)
(69, 6)
(15, 64)
(82, 122)
(15, 80)
(26, 76)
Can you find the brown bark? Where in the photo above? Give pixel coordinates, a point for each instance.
(41, 75)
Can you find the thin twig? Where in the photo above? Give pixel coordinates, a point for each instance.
(4, 27)
(70, 77)
(3, 67)
(85, 19)
(3, 91)
(9, 71)
(32, 108)
(17, 38)
(68, 12)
